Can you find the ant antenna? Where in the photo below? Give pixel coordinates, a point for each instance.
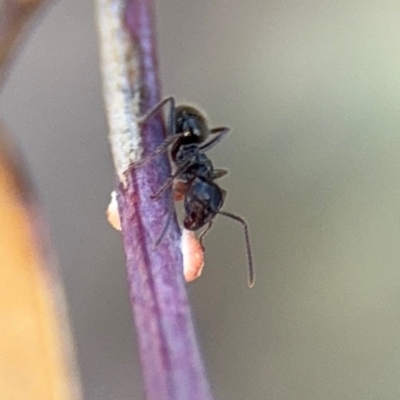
(251, 276)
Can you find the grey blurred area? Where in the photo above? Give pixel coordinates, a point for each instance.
(312, 91)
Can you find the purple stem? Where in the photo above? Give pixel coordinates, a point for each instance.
(171, 362)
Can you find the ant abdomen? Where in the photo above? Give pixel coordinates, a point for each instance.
(191, 123)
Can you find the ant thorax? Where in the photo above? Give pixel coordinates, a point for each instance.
(196, 164)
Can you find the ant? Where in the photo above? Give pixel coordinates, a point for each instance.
(203, 198)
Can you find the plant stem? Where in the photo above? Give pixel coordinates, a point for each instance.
(171, 362)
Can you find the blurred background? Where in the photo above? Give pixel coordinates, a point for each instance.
(312, 91)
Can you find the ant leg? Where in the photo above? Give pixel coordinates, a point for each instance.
(221, 132)
(220, 129)
(171, 117)
(158, 107)
(166, 225)
(218, 173)
(159, 150)
(170, 140)
(251, 276)
(163, 188)
(171, 179)
(202, 234)
(180, 190)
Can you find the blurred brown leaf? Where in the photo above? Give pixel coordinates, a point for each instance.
(33, 344)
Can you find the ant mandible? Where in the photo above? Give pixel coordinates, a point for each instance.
(203, 198)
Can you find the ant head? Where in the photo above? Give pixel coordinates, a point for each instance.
(192, 123)
(202, 202)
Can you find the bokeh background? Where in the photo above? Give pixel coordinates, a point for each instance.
(312, 91)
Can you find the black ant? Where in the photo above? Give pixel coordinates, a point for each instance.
(203, 198)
